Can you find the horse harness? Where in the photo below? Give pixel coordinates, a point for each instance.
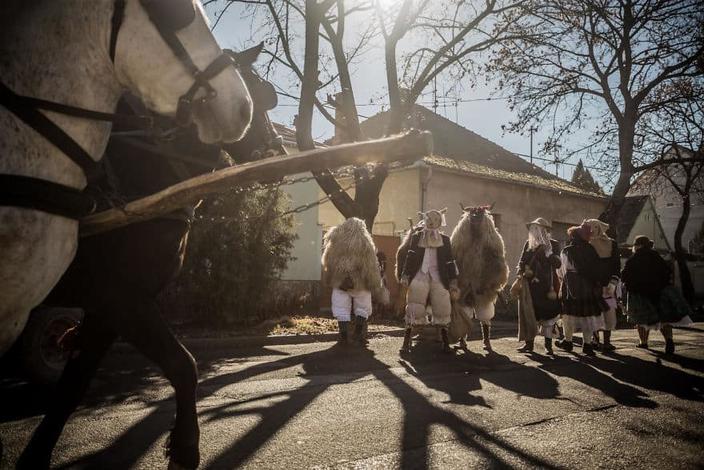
(168, 16)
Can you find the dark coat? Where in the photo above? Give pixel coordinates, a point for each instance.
(646, 274)
(580, 292)
(544, 277)
(446, 262)
(610, 267)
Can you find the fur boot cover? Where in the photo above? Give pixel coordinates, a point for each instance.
(349, 254)
(481, 259)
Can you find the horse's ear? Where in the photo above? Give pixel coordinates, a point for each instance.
(491, 207)
(249, 56)
(443, 210)
(462, 207)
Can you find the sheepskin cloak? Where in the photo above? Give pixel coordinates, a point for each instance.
(349, 253)
(481, 259)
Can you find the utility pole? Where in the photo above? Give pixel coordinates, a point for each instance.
(531, 129)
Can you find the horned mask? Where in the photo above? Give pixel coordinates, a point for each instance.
(433, 220)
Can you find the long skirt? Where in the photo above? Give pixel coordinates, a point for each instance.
(672, 309)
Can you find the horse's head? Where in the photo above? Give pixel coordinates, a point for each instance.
(261, 140)
(165, 53)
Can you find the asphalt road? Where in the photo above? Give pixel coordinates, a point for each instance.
(312, 405)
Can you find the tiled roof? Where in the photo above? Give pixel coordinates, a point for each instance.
(483, 171)
(458, 148)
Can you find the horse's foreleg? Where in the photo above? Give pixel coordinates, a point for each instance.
(142, 326)
(93, 341)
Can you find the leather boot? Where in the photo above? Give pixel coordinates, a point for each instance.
(588, 349)
(669, 346)
(343, 327)
(607, 346)
(564, 344)
(406, 348)
(445, 341)
(486, 332)
(528, 347)
(548, 346)
(360, 331)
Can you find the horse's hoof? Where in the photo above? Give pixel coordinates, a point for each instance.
(183, 457)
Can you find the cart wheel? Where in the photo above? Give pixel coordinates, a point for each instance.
(43, 359)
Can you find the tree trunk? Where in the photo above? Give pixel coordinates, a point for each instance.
(627, 170)
(680, 254)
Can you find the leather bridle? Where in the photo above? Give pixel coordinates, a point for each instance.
(168, 16)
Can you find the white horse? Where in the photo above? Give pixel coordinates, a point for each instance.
(85, 53)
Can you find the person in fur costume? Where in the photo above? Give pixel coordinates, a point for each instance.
(430, 273)
(351, 268)
(580, 292)
(483, 272)
(538, 306)
(610, 273)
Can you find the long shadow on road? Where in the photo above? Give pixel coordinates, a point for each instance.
(617, 376)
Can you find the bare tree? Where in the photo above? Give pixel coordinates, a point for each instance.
(603, 62)
(445, 36)
(674, 135)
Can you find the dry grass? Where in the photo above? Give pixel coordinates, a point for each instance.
(286, 326)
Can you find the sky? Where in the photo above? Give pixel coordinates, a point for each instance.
(476, 110)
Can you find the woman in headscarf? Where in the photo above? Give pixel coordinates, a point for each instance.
(580, 293)
(653, 302)
(538, 306)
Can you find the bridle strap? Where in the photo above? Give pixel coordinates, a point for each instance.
(201, 79)
(46, 196)
(118, 14)
(31, 116)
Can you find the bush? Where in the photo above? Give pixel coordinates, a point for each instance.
(237, 248)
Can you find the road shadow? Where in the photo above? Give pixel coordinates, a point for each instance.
(321, 369)
(123, 374)
(653, 375)
(584, 370)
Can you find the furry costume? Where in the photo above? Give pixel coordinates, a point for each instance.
(483, 272)
(430, 272)
(351, 268)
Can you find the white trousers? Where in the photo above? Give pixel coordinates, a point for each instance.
(421, 288)
(588, 325)
(343, 303)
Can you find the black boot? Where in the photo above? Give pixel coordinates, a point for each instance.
(486, 335)
(526, 348)
(342, 339)
(406, 348)
(588, 349)
(607, 346)
(360, 331)
(566, 345)
(445, 341)
(669, 346)
(548, 346)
